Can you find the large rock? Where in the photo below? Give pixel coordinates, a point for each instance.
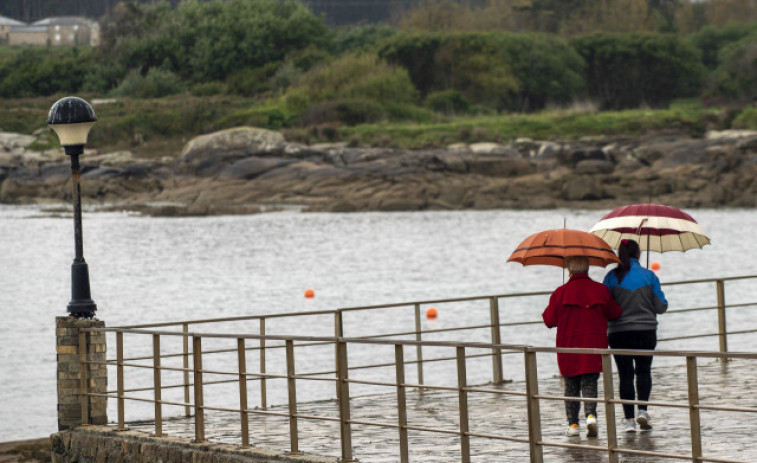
(252, 167)
(210, 154)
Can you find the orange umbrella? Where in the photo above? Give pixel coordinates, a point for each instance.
(551, 247)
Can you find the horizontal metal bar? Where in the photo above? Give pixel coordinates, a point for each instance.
(571, 446)
(474, 345)
(374, 423)
(691, 336)
(441, 431)
(692, 309)
(496, 391)
(315, 418)
(492, 436)
(726, 409)
(409, 304)
(231, 319)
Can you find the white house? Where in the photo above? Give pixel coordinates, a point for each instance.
(57, 31)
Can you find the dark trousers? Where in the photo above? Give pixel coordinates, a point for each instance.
(582, 385)
(630, 366)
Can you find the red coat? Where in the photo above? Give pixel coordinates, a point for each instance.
(580, 309)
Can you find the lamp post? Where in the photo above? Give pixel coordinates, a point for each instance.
(71, 118)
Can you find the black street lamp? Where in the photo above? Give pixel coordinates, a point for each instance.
(71, 118)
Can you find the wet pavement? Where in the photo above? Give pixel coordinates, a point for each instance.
(725, 435)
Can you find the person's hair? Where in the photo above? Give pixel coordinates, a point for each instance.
(628, 249)
(577, 264)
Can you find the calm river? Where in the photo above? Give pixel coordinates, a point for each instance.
(164, 269)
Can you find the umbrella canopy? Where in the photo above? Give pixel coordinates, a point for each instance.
(551, 247)
(654, 226)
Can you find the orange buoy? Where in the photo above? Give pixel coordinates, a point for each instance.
(655, 266)
(309, 293)
(431, 313)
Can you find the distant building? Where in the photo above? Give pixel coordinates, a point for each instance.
(5, 26)
(59, 31)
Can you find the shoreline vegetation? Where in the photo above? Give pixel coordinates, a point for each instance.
(451, 105)
(156, 128)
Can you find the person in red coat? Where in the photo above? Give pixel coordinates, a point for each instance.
(580, 310)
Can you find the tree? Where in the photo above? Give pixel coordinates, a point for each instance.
(629, 70)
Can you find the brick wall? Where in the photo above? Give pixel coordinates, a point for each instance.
(70, 370)
(104, 443)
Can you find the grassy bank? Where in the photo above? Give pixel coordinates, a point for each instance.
(157, 127)
(548, 125)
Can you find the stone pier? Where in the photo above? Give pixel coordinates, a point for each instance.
(70, 370)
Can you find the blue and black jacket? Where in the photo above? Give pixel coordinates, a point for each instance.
(640, 297)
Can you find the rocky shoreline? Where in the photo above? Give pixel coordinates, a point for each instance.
(248, 170)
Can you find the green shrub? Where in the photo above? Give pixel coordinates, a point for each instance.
(208, 89)
(711, 40)
(447, 102)
(501, 70)
(406, 112)
(347, 111)
(103, 77)
(746, 119)
(630, 70)
(156, 84)
(251, 81)
(267, 117)
(359, 76)
(35, 70)
(207, 41)
(361, 38)
(736, 77)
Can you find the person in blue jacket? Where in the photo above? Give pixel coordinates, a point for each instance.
(637, 291)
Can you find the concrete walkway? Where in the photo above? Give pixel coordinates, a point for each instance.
(725, 435)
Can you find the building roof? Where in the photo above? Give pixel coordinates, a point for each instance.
(63, 21)
(10, 22)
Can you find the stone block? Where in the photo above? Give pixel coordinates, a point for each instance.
(67, 349)
(69, 399)
(67, 375)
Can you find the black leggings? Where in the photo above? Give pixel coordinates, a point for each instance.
(582, 385)
(630, 365)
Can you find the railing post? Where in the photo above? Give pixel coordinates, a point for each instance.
(338, 333)
(534, 416)
(694, 424)
(120, 380)
(187, 408)
(83, 376)
(722, 330)
(343, 396)
(199, 400)
(243, 414)
(157, 386)
(609, 396)
(399, 366)
(462, 400)
(263, 387)
(497, 374)
(419, 347)
(292, 388)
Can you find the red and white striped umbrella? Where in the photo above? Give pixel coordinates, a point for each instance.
(654, 226)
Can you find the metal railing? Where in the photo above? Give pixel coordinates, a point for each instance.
(341, 374)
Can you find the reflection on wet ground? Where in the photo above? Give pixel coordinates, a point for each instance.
(724, 435)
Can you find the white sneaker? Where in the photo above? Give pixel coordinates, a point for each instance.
(644, 421)
(629, 425)
(591, 426)
(572, 431)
